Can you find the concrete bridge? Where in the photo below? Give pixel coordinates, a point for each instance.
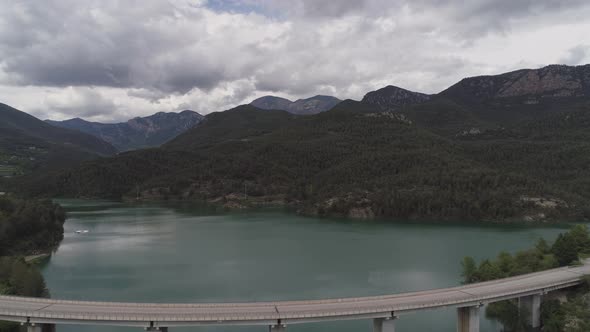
(43, 314)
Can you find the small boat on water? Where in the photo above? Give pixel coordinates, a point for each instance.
(82, 231)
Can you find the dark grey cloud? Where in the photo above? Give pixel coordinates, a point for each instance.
(468, 21)
(111, 43)
(170, 47)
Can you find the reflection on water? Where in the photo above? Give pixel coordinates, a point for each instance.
(167, 253)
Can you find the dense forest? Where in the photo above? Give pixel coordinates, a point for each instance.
(27, 227)
(356, 161)
(572, 315)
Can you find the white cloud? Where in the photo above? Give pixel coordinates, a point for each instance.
(577, 55)
(110, 60)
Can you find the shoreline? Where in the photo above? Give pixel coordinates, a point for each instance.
(35, 259)
(292, 208)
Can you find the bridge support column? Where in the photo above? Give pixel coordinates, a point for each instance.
(277, 328)
(33, 327)
(531, 307)
(384, 324)
(468, 319)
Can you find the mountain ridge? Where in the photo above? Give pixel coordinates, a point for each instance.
(138, 132)
(548, 81)
(303, 106)
(29, 144)
(450, 157)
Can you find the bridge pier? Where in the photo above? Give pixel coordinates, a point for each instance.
(531, 307)
(384, 324)
(468, 319)
(277, 328)
(33, 327)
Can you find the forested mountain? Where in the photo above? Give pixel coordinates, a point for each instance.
(478, 104)
(308, 106)
(440, 158)
(238, 124)
(28, 144)
(140, 132)
(393, 98)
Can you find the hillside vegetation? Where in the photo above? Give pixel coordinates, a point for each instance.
(29, 227)
(471, 152)
(29, 145)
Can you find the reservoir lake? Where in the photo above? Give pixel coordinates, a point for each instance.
(184, 253)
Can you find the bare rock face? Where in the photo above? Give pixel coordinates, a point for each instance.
(554, 81)
(355, 205)
(533, 85)
(392, 98)
(361, 213)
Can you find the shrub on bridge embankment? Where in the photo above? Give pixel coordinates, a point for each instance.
(567, 249)
(572, 315)
(19, 278)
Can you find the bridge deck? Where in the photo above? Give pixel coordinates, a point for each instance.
(21, 309)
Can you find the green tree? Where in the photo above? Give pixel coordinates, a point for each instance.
(542, 246)
(505, 263)
(565, 250)
(553, 316)
(508, 314)
(580, 236)
(489, 270)
(469, 270)
(33, 284)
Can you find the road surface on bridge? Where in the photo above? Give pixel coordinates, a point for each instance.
(52, 311)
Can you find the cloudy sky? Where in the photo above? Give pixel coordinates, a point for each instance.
(107, 60)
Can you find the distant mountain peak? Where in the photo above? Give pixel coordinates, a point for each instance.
(138, 132)
(392, 98)
(306, 106)
(271, 103)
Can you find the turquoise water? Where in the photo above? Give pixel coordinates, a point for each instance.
(178, 253)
